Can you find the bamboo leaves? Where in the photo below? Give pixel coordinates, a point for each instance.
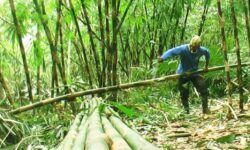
(129, 112)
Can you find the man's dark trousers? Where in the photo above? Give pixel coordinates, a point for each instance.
(200, 85)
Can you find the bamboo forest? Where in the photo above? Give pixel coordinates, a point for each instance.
(124, 74)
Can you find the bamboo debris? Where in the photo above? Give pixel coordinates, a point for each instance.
(113, 88)
(236, 84)
(135, 141)
(118, 143)
(96, 138)
(67, 143)
(244, 115)
(179, 135)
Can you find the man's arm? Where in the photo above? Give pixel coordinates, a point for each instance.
(170, 53)
(160, 60)
(207, 58)
(206, 65)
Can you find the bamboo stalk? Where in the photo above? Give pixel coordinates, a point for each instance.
(237, 51)
(114, 88)
(118, 143)
(68, 141)
(95, 136)
(134, 139)
(79, 143)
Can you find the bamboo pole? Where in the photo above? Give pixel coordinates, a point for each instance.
(237, 51)
(118, 143)
(68, 141)
(114, 88)
(134, 139)
(79, 143)
(96, 138)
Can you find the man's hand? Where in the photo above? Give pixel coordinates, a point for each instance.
(160, 60)
(206, 66)
(206, 69)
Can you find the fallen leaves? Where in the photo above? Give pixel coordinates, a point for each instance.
(197, 131)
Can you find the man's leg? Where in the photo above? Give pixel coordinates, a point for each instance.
(201, 86)
(184, 92)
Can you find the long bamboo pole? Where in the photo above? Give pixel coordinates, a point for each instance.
(114, 88)
(134, 140)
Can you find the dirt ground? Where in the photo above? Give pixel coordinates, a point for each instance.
(215, 131)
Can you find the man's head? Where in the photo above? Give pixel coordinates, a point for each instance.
(194, 43)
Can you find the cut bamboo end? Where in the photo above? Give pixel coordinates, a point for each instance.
(134, 140)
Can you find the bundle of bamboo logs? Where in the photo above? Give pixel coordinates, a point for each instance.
(92, 130)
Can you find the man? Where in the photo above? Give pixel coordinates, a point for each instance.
(189, 59)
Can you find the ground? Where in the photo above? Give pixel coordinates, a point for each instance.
(214, 131)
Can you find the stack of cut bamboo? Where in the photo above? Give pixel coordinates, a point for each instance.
(92, 130)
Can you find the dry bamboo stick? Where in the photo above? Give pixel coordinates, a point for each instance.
(179, 135)
(236, 84)
(135, 141)
(244, 115)
(113, 88)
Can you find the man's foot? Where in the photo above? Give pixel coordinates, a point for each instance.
(206, 111)
(187, 110)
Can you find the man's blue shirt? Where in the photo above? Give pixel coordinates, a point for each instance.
(188, 61)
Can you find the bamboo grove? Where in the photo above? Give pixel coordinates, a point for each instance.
(67, 45)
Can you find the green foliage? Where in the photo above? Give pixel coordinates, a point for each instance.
(127, 111)
(168, 67)
(226, 139)
(101, 108)
(38, 53)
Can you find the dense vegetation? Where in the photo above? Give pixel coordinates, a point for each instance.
(50, 48)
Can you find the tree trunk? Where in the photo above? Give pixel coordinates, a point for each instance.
(36, 45)
(123, 16)
(170, 20)
(62, 51)
(103, 78)
(59, 34)
(203, 18)
(237, 44)
(54, 80)
(82, 44)
(114, 45)
(109, 51)
(153, 37)
(6, 88)
(173, 40)
(19, 35)
(50, 40)
(247, 24)
(38, 80)
(224, 48)
(78, 52)
(93, 47)
(185, 24)
(53, 49)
